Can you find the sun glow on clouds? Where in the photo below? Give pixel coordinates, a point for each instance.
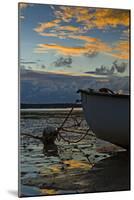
(93, 18)
(88, 18)
(120, 51)
(65, 50)
(43, 26)
(67, 73)
(92, 36)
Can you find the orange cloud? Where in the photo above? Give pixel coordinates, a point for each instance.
(75, 37)
(68, 28)
(94, 18)
(43, 26)
(111, 17)
(67, 13)
(88, 18)
(59, 31)
(59, 35)
(65, 50)
(122, 50)
(84, 38)
(88, 48)
(57, 28)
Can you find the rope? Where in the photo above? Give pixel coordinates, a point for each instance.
(65, 119)
(61, 127)
(76, 141)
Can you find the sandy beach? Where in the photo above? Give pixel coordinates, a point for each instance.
(91, 165)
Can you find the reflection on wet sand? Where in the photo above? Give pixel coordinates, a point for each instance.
(91, 165)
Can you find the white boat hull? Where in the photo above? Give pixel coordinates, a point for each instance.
(108, 116)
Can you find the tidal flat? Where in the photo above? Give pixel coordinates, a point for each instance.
(90, 165)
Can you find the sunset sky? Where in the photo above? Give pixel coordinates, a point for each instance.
(72, 40)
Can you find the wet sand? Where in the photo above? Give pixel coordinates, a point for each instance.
(91, 165)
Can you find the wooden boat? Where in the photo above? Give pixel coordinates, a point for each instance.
(108, 115)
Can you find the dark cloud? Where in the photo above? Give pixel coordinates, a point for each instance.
(120, 67)
(91, 54)
(104, 70)
(63, 62)
(28, 62)
(43, 66)
(115, 67)
(29, 67)
(54, 88)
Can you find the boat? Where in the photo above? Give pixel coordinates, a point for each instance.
(108, 115)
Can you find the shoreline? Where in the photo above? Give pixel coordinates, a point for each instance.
(48, 109)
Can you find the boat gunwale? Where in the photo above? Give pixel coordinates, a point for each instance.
(94, 93)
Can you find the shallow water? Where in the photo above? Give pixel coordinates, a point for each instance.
(64, 168)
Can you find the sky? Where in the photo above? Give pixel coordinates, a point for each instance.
(73, 40)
